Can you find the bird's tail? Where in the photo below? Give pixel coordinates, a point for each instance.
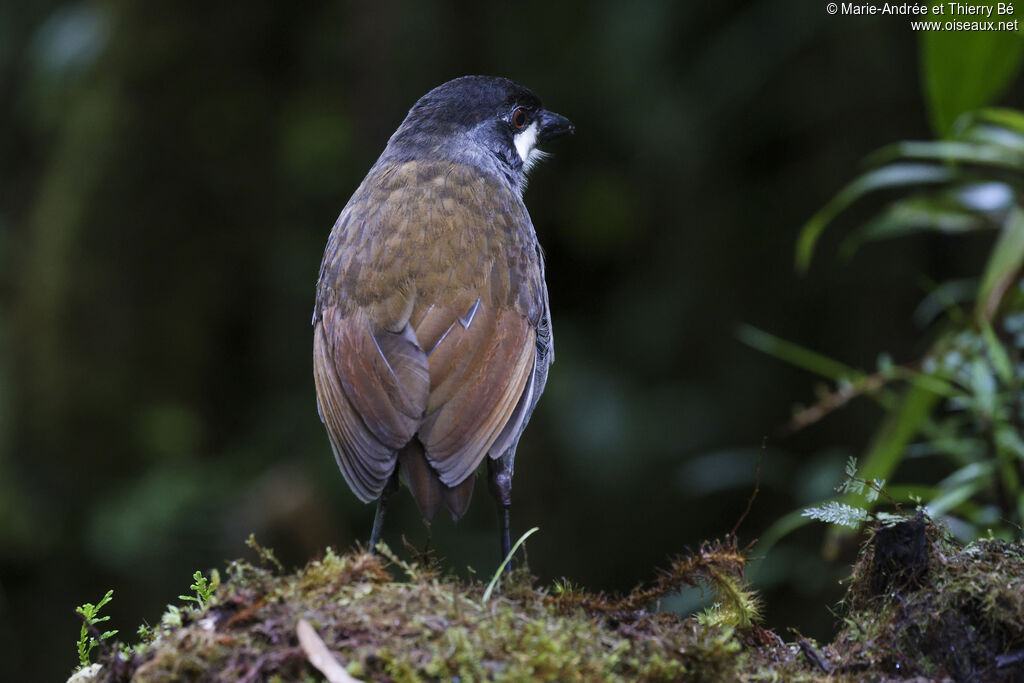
(428, 490)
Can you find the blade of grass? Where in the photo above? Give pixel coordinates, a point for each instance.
(501, 567)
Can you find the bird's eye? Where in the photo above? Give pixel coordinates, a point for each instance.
(518, 118)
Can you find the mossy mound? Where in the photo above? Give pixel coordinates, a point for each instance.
(921, 605)
(426, 627)
(918, 607)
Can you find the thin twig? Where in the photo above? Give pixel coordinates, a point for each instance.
(757, 487)
(880, 490)
(812, 653)
(833, 401)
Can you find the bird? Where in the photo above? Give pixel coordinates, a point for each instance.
(432, 333)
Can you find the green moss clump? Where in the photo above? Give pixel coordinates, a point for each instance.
(428, 627)
(918, 607)
(960, 616)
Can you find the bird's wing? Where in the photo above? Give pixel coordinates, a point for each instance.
(458, 382)
(480, 361)
(372, 389)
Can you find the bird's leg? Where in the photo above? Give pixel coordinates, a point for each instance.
(382, 506)
(499, 473)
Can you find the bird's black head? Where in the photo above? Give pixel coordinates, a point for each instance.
(484, 121)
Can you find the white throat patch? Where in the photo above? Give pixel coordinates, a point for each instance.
(526, 146)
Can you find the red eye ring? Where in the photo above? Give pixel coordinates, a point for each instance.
(518, 118)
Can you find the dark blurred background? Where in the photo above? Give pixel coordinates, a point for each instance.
(170, 174)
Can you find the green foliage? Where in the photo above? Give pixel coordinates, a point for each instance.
(844, 514)
(976, 172)
(91, 617)
(203, 588)
(834, 512)
(171, 617)
(965, 70)
(962, 402)
(894, 176)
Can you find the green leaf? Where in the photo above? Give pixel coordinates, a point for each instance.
(959, 487)
(1000, 359)
(908, 216)
(968, 474)
(1004, 264)
(1002, 128)
(963, 208)
(894, 175)
(983, 386)
(950, 152)
(933, 383)
(90, 614)
(983, 133)
(965, 70)
(796, 355)
(1008, 439)
(834, 512)
(1009, 119)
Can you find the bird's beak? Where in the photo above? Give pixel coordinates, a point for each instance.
(553, 126)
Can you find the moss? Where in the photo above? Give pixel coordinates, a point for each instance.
(958, 615)
(958, 618)
(403, 621)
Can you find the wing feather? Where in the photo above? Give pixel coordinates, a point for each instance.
(364, 461)
(514, 427)
(373, 391)
(478, 374)
(384, 375)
